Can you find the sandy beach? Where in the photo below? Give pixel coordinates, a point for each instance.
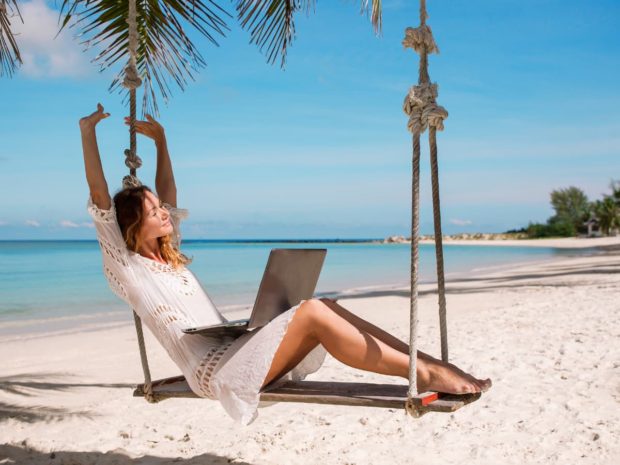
(547, 333)
(139, 137)
(558, 243)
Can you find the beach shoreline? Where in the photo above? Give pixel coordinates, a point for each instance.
(41, 327)
(601, 243)
(547, 333)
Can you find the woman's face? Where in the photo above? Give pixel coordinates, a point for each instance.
(156, 219)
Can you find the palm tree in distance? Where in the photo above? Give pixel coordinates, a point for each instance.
(615, 191)
(607, 212)
(165, 51)
(10, 57)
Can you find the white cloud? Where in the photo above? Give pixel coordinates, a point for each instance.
(458, 222)
(3, 223)
(69, 224)
(42, 54)
(32, 223)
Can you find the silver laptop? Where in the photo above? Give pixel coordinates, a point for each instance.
(290, 277)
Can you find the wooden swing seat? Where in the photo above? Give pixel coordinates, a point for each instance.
(334, 393)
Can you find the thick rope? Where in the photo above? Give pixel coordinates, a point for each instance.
(132, 81)
(421, 38)
(132, 160)
(148, 385)
(422, 108)
(424, 112)
(441, 285)
(415, 237)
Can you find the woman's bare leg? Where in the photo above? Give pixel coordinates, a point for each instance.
(316, 323)
(384, 336)
(364, 325)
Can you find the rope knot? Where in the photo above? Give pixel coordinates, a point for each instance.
(422, 109)
(420, 39)
(132, 161)
(149, 395)
(132, 79)
(412, 409)
(130, 181)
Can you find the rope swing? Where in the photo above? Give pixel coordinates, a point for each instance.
(421, 107)
(132, 81)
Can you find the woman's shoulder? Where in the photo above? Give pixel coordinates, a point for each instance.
(99, 214)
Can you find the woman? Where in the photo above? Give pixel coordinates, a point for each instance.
(139, 237)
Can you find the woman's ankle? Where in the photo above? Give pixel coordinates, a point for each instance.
(423, 375)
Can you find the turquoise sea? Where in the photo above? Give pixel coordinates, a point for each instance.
(49, 281)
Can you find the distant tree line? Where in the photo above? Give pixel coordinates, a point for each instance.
(573, 211)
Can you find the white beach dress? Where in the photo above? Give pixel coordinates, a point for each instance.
(169, 300)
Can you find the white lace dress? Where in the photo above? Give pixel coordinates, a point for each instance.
(168, 300)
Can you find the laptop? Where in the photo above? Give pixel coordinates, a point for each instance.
(289, 277)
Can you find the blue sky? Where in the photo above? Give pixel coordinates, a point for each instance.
(321, 149)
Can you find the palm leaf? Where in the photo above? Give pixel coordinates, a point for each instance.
(165, 52)
(271, 24)
(9, 51)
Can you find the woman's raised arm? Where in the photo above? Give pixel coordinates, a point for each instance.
(92, 162)
(164, 177)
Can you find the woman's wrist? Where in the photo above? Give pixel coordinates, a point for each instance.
(87, 126)
(160, 141)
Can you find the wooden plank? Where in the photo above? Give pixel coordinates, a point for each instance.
(167, 388)
(444, 406)
(451, 403)
(335, 393)
(341, 388)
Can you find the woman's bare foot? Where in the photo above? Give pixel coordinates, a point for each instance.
(435, 375)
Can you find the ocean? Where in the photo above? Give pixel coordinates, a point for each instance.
(47, 282)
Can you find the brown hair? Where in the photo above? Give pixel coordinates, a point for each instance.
(130, 216)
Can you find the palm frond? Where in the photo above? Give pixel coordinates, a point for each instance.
(271, 24)
(10, 57)
(375, 10)
(165, 51)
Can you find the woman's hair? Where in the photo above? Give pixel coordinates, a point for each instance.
(129, 205)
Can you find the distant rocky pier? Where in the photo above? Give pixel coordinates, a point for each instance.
(458, 237)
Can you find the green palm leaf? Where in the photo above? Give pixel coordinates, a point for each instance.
(9, 52)
(271, 24)
(165, 52)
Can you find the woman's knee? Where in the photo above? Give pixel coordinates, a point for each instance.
(315, 311)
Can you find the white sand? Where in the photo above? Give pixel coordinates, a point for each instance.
(559, 243)
(547, 334)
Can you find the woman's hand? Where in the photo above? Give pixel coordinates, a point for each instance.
(150, 128)
(164, 177)
(90, 121)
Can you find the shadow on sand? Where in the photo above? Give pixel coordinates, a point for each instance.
(24, 454)
(34, 414)
(27, 385)
(513, 281)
